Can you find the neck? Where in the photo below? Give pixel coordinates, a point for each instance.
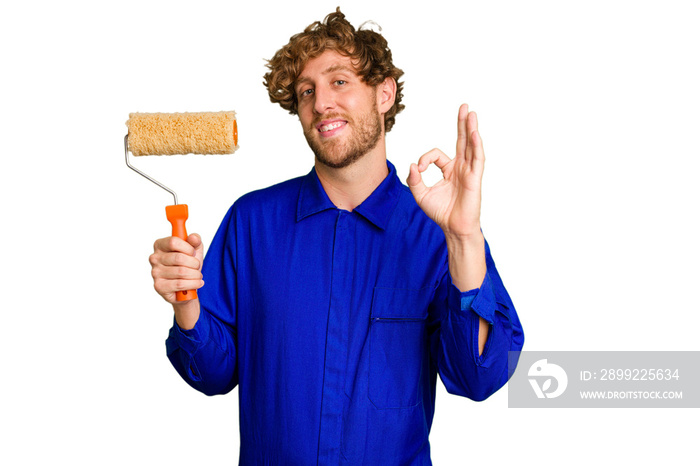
(348, 187)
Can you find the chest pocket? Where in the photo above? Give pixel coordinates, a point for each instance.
(398, 354)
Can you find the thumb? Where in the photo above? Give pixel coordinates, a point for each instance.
(196, 242)
(415, 182)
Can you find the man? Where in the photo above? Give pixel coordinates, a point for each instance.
(333, 300)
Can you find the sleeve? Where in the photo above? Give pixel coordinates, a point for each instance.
(205, 356)
(456, 343)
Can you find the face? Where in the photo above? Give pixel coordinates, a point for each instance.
(338, 112)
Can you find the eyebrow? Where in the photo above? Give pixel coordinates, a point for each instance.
(329, 70)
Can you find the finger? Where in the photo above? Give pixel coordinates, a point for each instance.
(436, 156)
(164, 278)
(472, 123)
(462, 134)
(178, 259)
(165, 287)
(173, 244)
(176, 273)
(477, 147)
(472, 127)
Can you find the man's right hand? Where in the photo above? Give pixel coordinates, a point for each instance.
(177, 266)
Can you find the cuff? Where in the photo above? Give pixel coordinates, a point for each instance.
(480, 300)
(190, 340)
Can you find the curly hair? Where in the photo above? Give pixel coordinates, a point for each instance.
(368, 50)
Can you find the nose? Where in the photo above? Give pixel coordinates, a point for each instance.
(323, 100)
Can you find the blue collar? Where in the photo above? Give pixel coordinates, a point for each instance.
(377, 208)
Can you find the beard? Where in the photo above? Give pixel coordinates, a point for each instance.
(340, 153)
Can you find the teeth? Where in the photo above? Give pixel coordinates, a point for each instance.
(331, 126)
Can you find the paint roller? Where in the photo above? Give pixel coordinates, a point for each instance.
(179, 133)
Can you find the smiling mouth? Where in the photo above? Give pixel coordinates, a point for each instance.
(329, 127)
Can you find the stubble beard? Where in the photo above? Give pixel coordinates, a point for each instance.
(338, 153)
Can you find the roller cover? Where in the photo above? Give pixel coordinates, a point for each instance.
(182, 133)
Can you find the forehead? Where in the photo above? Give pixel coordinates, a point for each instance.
(328, 62)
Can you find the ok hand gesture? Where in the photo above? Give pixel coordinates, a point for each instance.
(454, 203)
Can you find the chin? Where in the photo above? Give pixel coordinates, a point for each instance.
(336, 159)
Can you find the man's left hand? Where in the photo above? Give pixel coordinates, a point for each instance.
(454, 203)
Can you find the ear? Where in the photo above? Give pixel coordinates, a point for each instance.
(386, 95)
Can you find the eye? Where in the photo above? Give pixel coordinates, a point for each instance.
(340, 82)
(306, 92)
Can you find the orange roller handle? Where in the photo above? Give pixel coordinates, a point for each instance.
(177, 215)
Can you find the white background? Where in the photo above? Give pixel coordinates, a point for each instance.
(589, 116)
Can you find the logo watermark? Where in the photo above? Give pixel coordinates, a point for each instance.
(542, 369)
(600, 379)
